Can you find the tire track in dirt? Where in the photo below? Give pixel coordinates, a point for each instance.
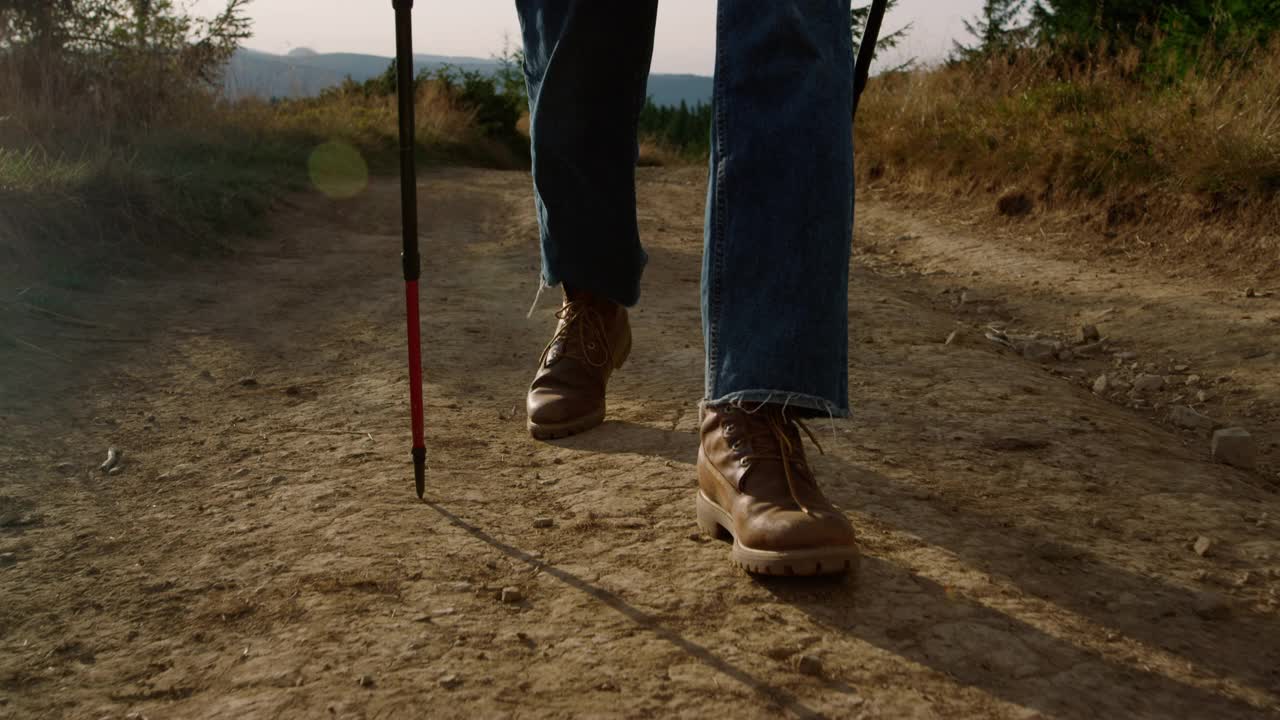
(262, 553)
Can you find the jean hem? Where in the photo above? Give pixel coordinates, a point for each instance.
(817, 404)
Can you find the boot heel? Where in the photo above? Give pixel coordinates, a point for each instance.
(624, 351)
(707, 519)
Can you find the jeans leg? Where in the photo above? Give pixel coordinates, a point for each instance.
(775, 273)
(586, 66)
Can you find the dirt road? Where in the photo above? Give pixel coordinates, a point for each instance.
(1029, 543)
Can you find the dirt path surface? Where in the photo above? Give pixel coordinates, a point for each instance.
(1030, 545)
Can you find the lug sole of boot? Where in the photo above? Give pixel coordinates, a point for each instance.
(557, 431)
(716, 522)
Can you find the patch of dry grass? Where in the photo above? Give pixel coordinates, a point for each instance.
(1095, 140)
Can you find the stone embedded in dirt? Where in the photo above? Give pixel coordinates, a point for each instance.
(512, 595)
(1147, 383)
(248, 382)
(1038, 350)
(1202, 396)
(1235, 447)
(1090, 334)
(1250, 293)
(1185, 417)
(449, 682)
(65, 467)
(1193, 380)
(1101, 384)
(113, 458)
(293, 390)
(1015, 204)
(1210, 606)
(1014, 444)
(543, 522)
(1056, 552)
(1090, 349)
(809, 665)
(1202, 545)
(115, 470)
(1066, 355)
(1126, 355)
(365, 681)
(277, 479)
(1181, 368)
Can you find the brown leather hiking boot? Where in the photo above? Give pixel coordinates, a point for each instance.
(755, 486)
(592, 340)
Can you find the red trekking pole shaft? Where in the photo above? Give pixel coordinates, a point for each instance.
(406, 95)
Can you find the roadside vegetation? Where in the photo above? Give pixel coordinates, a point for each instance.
(116, 150)
(1118, 115)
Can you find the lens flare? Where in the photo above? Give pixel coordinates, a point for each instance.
(338, 170)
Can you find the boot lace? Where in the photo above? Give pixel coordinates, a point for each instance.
(774, 433)
(581, 334)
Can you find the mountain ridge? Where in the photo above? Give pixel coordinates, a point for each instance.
(305, 73)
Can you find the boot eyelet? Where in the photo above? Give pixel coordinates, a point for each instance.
(737, 445)
(728, 429)
(591, 346)
(745, 462)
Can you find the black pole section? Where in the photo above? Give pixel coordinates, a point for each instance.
(406, 95)
(408, 167)
(867, 51)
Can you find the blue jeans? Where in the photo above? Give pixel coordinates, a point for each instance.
(779, 219)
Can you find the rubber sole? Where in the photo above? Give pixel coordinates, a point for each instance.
(716, 522)
(563, 430)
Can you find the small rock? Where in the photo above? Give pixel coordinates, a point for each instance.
(1193, 380)
(512, 595)
(449, 682)
(1066, 355)
(1038, 350)
(1090, 334)
(1185, 417)
(65, 467)
(1250, 293)
(115, 470)
(1210, 606)
(1202, 396)
(113, 458)
(543, 522)
(1235, 447)
(1126, 355)
(365, 681)
(809, 665)
(293, 390)
(1100, 385)
(277, 479)
(1202, 545)
(1090, 349)
(248, 382)
(1147, 383)
(1181, 368)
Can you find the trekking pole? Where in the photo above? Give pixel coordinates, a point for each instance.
(405, 92)
(867, 51)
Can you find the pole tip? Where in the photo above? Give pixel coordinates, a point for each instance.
(420, 470)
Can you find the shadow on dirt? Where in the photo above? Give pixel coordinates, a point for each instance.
(774, 694)
(932, 625)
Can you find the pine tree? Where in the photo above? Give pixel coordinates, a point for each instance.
(997, 29)
(858, 24)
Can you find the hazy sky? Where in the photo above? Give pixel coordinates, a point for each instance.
(684, 43)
